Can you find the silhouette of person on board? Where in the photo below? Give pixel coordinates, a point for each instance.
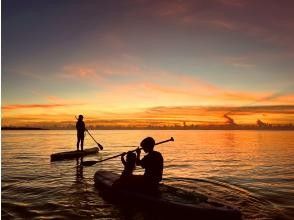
(152, 163)
(80, 126)
(129, 163)
(126, 177)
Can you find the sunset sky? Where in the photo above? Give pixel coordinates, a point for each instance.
(147, 61)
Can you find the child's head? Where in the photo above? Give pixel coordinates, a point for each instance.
(129, 163)
(131, 157)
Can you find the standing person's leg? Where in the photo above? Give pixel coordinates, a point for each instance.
(78, 142)
(82, 142)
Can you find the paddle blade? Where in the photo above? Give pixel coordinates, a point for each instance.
(100, 146)
(89, 163)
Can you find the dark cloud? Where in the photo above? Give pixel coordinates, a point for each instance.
(184, 110)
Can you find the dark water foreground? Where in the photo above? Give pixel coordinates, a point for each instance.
(251, 170)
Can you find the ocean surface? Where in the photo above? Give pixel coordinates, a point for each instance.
(251, 170)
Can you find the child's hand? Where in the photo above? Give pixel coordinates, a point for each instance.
(138, 150)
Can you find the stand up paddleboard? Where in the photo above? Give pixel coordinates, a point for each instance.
(73, 154)
(177, 203)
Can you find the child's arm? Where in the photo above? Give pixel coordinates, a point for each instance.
(138, 160)
(123, 159)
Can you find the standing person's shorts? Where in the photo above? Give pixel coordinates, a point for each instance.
(81, 135)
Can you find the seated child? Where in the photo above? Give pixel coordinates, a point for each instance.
(129, 163)
(129, 166)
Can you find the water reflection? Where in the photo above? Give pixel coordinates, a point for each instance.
(79, 170)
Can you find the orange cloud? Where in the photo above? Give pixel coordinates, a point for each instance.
(98, 71)
(183, 91)
(55, 99)
(79, 72)
(23, 106)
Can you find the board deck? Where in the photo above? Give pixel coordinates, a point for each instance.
(73, 154)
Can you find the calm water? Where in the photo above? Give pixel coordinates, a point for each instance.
(252, 170)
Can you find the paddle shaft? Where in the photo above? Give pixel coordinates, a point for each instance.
(99, 145)
(118, 155)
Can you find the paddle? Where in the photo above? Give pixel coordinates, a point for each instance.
(99, 145)
(92, 162)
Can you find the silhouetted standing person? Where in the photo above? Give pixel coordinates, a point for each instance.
(80, 126)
